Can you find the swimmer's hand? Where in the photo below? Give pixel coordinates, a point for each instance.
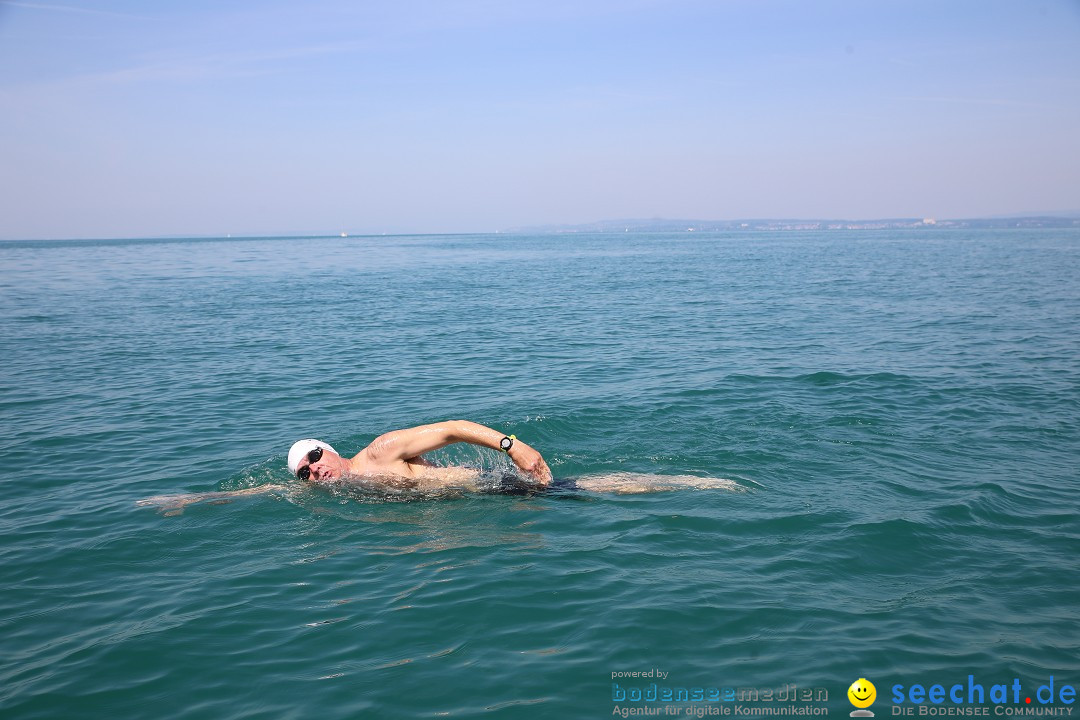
(530, 462)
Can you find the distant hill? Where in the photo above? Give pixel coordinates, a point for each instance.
(676, 225)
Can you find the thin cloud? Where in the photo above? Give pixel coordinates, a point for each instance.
(221, 65)
(997, 102)
(70, 9)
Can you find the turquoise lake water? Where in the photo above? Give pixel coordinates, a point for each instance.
(899, 410)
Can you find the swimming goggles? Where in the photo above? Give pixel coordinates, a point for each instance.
(312, 457)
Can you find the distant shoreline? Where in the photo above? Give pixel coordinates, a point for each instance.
(655, 225)
(665, 225)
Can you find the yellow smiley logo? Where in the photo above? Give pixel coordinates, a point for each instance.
(862, 693)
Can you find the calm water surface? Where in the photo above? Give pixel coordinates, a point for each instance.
(899, 410)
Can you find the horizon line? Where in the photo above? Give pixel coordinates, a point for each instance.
(552, 228)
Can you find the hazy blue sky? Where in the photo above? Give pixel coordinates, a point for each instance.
(153, 118)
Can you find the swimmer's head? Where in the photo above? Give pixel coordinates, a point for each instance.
(313, 459)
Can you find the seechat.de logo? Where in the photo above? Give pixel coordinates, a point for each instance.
(862, 694)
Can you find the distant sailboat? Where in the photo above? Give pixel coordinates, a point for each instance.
(343, 234)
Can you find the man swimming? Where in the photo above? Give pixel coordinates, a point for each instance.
(397, 458)
(395, 461)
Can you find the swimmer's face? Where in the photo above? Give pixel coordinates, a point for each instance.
(327, 466)
(862, 693)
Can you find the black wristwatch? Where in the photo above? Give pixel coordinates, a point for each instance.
(507, 442)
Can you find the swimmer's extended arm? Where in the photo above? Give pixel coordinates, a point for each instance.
(409, 443)
(174, 504)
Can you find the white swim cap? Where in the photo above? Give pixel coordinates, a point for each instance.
(301, 448)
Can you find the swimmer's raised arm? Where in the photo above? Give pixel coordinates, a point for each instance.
(412, 442)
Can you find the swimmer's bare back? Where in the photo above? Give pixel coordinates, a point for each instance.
(627, 483)
(423, 478)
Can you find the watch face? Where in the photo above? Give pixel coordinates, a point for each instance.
(505, 443)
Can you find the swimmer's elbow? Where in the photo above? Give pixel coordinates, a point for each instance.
(459, 431)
